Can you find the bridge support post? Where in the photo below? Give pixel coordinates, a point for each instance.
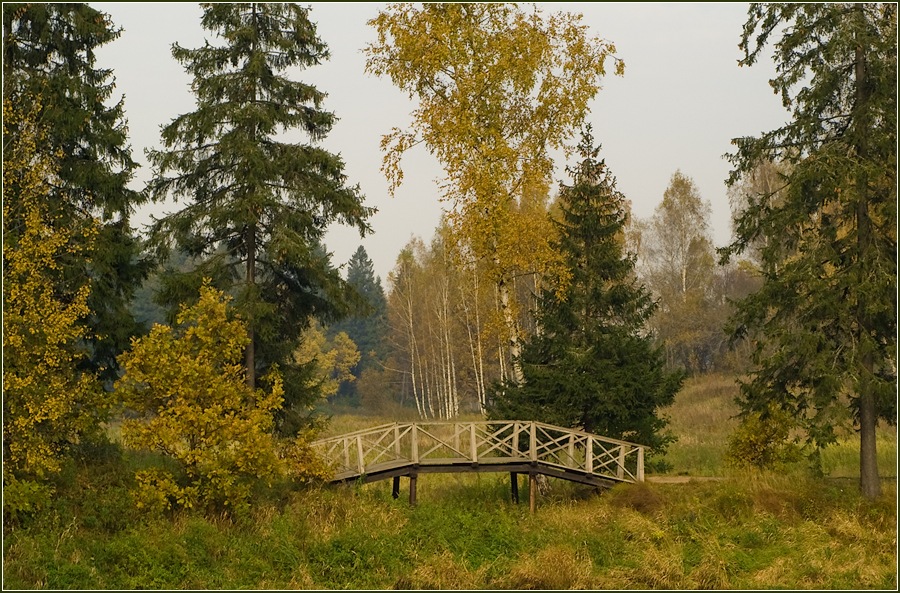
(532, 491)
(412, 489)
(514, 485)
(395, 493)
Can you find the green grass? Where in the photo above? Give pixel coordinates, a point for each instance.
(703, 416)
(759, 531)
(751, 530)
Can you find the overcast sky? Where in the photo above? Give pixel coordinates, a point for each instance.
(681, 101)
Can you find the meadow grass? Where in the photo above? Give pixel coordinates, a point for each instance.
(704, 414)
(750, 530)
(761, 530)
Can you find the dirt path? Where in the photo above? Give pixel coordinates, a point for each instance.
(680, 479)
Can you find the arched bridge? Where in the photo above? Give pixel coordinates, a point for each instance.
(533, 448)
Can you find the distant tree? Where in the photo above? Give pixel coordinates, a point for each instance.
(679, 267)
(678, 247)
(592, 365)
(765, 179)
(498, 90)
(49, 64)
(49, 404)
(257, 207)
(367, 326)
(334, 359)
(825, 319)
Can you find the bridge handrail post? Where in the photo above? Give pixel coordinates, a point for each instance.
(640, 465)
(515, 439)
(620, 469)
(589, 455)
(533, 444)
(397, 440)
(415, 443)
(360, 463)
(474, 443)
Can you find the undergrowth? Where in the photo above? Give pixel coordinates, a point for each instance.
(758, 531)
(751, 530)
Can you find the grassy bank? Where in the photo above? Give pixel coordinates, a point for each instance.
(760, 531)
(749, 530)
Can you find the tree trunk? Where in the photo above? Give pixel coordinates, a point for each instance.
(869, 482)
(249, 353)
(512, 327)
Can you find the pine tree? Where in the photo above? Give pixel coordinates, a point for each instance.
(592, 364)
(825, 320)
(48, 60)
(257, 207)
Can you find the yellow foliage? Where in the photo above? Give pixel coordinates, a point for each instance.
(764, 440)
(498, 90)
(48, 403)
(189, 387)
(333, 361)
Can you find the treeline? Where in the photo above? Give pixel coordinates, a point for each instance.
(442, 346)
(223, 392)
(526, 302)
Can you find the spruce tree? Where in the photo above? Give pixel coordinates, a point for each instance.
(824, 323)
(592, 365)
(368, 324)
(257, 206)
(49, 68)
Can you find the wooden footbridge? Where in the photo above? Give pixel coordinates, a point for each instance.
(532, 448)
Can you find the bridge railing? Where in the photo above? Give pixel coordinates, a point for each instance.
(481, 443)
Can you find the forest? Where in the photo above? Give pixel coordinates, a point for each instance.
(175, 378)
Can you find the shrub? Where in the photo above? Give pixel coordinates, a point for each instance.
(763, 440)
(187, 385)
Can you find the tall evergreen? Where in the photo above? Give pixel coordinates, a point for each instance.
(49, 66)
(368, 324)
(366, 328)
(257, 206)
(592, 365)
(824, 322)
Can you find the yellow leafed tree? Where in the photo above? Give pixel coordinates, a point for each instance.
(498, 90)
(188, 385)
(48, 404)
(333, 362)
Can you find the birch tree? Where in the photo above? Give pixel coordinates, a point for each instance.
(498, 89)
